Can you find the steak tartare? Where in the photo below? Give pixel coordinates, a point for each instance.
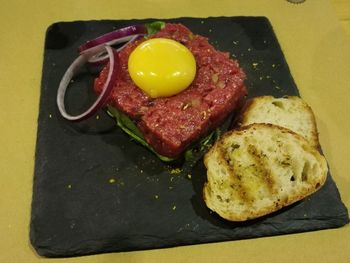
(170, 124)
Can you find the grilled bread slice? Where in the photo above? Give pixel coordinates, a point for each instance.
(289, 112)
(258, 169)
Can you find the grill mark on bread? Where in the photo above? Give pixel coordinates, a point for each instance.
(261, 166)
(234, 173)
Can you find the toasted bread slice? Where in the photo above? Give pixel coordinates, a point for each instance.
(289, 112)
(258, 169)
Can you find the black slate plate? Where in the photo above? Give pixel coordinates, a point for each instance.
(97, 191)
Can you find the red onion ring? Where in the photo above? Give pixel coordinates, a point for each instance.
(114, 36)
(102, 57)
(102, 98)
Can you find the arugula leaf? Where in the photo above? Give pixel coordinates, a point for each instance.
(193, 154)
(154, 27)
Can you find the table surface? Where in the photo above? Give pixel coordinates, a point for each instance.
(342, 10)
(315, 39)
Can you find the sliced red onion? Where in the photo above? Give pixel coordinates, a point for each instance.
(115, 35)
(102, 57)
(73, 69)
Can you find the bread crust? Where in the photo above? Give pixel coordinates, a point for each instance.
(306, 114)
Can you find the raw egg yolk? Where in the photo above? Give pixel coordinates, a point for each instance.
(162, 67)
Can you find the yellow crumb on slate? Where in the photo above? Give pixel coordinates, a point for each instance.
(111, 181)
(175, 171)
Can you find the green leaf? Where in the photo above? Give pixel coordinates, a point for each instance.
(197, 151)
(154, 27)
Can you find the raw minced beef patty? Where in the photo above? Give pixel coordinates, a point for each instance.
(170, 124)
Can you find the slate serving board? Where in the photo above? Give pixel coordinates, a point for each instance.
(97, 191)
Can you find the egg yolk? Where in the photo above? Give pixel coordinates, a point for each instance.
(162, 67)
